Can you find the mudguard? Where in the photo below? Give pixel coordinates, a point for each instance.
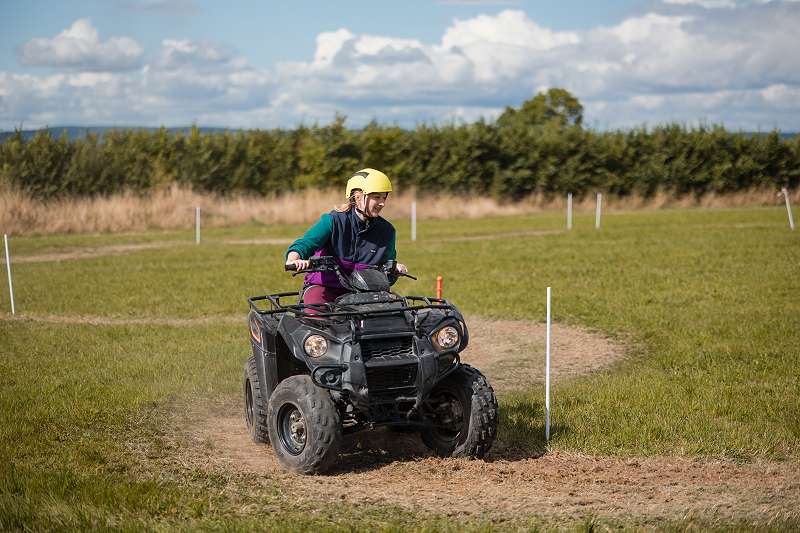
(263, 330)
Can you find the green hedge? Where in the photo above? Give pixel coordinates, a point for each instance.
(507, 159)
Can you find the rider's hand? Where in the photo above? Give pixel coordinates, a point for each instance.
(302, 264)
(299, 264)
(401, 268)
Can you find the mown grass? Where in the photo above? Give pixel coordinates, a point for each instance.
(707, 302)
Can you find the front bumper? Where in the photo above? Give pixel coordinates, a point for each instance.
(386, 378)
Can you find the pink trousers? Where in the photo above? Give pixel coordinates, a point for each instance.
(320, 294)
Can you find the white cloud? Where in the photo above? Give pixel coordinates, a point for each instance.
(648, 102)
(680, 62)
(178, 53)
(503, 46)
(781, 95)
(79, 47)
(510, 27)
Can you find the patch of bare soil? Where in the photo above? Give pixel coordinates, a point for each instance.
(96, 251)
(257, 242)
(512, 352)
(383, 467)
(505, 235)
(120, 249)
(109, 321)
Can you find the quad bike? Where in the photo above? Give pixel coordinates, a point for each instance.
(371, 358)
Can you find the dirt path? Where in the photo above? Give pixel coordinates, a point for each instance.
(110, 321)
(87, 252)
(94, 251)
(512, 352)
(121, 249)
(504, 235)
(381, 467)
(562, 485)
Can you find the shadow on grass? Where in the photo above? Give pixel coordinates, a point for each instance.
(522, 430)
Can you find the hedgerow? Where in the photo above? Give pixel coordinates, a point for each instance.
(540, 148)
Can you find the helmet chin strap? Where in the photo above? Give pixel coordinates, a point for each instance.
(363, 211)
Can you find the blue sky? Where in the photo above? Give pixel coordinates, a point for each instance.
(276, 64)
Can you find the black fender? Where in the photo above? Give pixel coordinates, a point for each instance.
(263, 333)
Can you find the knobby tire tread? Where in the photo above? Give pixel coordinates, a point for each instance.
(259, 431)
(323, 427)
(483, 416)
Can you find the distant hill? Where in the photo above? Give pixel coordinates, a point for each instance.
(786, 136)
(79, 132)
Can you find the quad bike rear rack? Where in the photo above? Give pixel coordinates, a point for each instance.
(351, 310)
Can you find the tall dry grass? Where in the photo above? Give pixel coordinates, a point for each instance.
(173, 208)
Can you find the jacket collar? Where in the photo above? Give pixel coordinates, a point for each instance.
(361, 225)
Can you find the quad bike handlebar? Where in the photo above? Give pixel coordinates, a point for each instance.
(327, 263)
(321, 263)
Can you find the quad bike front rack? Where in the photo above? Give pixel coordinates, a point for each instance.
(333, 310)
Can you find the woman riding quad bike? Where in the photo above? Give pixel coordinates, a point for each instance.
(349, 354)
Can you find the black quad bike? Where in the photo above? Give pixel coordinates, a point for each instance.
(371, 358)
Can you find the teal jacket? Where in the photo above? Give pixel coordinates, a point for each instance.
(355, 243)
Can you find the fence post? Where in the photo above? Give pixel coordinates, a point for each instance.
(785, 192)
(547, 376)
(413, 221)
(597, 211)
(8, 269)
(197, 225)
(569, 210)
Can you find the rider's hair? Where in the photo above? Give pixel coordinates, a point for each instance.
(351, 202)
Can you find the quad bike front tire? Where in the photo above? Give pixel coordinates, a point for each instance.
(461, 415)
(305, 427)
(255, 405)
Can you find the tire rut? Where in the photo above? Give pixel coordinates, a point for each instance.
(386, 468)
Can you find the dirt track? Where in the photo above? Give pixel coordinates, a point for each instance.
(87, 252)
(396, 469)
(388, 468)
(556, 484)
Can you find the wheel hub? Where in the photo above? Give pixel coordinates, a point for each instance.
(297, 427)
(447, 414)
(292, 429)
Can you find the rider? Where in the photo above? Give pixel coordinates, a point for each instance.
(353, 233)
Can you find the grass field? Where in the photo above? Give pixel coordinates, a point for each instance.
(706, 302)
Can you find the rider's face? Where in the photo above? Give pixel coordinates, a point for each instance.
(374, 203)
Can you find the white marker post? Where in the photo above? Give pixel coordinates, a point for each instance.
(597, 211)
(197, 225)
(569, 210)
(413, 221)
(547, 377)
(785, 192)
(8, 269)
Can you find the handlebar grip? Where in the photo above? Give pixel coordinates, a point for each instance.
(289, 267)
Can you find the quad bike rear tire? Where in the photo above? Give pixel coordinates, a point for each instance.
(305, 426)
(461, 415)
(255, 405)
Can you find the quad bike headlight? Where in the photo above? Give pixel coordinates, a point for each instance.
(446, 338)
(315, 346)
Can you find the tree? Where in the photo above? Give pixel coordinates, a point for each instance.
(556, 106)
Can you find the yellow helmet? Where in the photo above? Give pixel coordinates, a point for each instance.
(368, 180)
